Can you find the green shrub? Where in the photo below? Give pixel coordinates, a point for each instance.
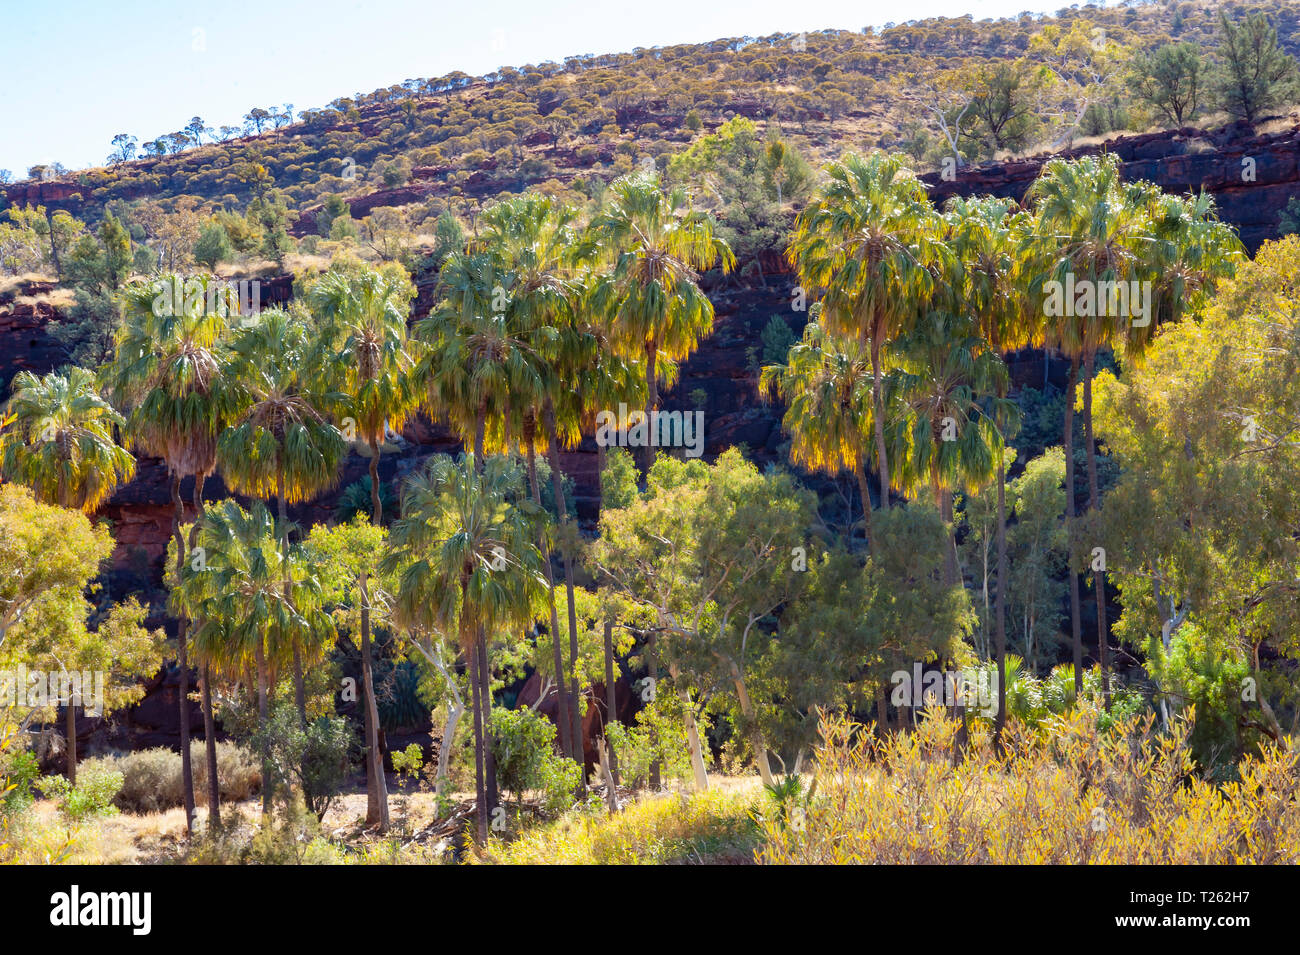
(92, 796)
(524, 746)
(151, 778)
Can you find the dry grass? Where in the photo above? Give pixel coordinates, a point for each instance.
(714, 827)
(1068, 795)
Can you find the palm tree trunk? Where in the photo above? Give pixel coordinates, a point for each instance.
(575, 711)
(952, 568)
(1076, 629)
(299, 685)
(209, 722)
(561, 695)
(611, 710)
(476, 688)
(376, 791)
(210, 747)
(263, 717)
(878, 408)
(652, 671)
(376, 502)
(484, 668)
(70, 731)
(182, 662)
(652, 400)
(376, 785)
(1094, 503)
(1000, 628)
(864, 489)
(489, 757)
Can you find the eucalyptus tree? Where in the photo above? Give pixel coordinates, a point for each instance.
(865, 246)
(465, 561)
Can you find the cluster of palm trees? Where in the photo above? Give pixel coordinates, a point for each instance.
(903, 364)
(540, 322)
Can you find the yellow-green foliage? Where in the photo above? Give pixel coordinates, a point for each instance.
(710, 827)
(1066, 794)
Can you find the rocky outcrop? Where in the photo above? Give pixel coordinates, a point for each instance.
(25, 342)
(1251, 177)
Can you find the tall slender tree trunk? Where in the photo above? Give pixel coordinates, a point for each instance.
(489, 757)
(652, 400)
(878, 407)
(1076, 629)
(1094, 504)
(476, 695)
(756, 741)
(557, 475)
(864, 489)
(70, 731)
(182, 661)
(376, 785)
(611, 705)
(652, 672)
(561, 694)
(952, 567)
(263, 718)
(299, 684)
(694, 743)
(484, 665)
(210, 751)
(209, 721)
(376, 791)
(611, 712)
(376, 502)
(1000, 612)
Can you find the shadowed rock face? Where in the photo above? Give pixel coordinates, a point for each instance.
(725, 368)
(1250, 177)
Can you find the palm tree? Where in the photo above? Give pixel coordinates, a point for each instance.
(280, 445)
(57, 439)
(482, 374)
(864, 245)
(945, 379)
(169, 370)
(257, 603)
(363, 354)
(542, 253)
(652, 290)
(1089, 229)
(987, 236)
(467, 565)
(826, 384)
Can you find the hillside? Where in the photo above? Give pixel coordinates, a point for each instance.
(429, 145)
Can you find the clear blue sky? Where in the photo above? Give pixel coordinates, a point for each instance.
(79, 71)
